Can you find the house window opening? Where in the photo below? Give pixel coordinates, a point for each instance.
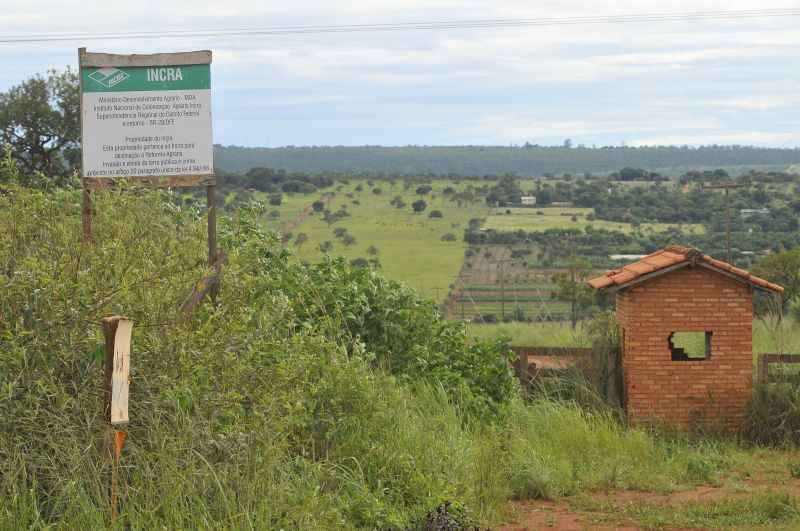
(690, 346)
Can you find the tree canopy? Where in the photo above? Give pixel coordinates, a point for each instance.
(40, 121)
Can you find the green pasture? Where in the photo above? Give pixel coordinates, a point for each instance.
(410, 246)
(768, 336)
(544, 218)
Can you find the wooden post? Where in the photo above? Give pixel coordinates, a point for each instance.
(211, 202)
(522, 368)
(117, 334)
(763, 369)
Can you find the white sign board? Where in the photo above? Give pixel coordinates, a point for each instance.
(146, 115)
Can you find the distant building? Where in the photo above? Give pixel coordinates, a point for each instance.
(528, 200)
(745, 212)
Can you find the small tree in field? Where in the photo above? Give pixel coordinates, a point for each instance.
(326, 246)
(419, 205)
(372, 250)
(571, 287)
(348, 239)
(435, 214)
(276, 199)
(318, 206)
(300, 239)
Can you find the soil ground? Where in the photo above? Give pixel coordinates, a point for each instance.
(609, 510)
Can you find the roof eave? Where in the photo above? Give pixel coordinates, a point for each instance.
(646, 277)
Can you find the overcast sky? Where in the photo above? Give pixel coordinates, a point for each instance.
(700, 82)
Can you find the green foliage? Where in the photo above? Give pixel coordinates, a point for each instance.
(782, 268)
(768, 509)
(505, 193)
(773, 415)
(39, 119)
(311, 397)
(419, 205)
(270, 410)
(571, 286)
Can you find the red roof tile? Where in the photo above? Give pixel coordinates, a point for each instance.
(672, 256)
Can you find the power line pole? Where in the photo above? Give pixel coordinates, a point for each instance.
(726, 187)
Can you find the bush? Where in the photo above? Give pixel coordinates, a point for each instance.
(293, 404)
(773, 415)
(435, 214)
(449, 237)
(275, 199)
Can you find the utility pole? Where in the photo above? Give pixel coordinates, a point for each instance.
(726, 187)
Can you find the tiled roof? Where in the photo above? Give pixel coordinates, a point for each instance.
(674, 255)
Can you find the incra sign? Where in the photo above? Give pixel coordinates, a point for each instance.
(146, 115)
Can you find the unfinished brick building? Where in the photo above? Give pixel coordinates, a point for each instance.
(686, 325)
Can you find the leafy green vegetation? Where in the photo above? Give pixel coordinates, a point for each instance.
(318, 396)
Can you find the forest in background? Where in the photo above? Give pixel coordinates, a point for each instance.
(481, 160)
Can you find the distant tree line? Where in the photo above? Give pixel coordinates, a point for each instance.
(271, 180)
(496, 160)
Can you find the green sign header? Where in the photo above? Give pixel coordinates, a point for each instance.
(128, 79)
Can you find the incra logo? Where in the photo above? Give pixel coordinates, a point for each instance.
(108, 77)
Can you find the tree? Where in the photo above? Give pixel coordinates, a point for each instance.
(782, 268)
(318, 206)
(435, 214)
(40, 120)
(276, 199)
(424, 189)
(300, 239)
(571, 286)
(348, 239)
(419, 205)
(372, 250)
(326, 246)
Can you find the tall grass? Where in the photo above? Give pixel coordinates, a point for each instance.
(240, 419)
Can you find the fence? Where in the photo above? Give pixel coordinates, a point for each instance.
(765, 360)
(534, 360)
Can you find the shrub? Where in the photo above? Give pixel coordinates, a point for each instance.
(449, 237)
(275, 199)
(435, 214)
(291, 404)
(773, 415)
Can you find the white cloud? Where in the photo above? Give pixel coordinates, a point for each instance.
(595, 83)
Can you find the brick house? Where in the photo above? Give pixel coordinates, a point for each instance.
(686, 331)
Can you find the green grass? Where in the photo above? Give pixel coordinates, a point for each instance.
(765, 339)
(760, 509)
(291, 206)
(410, 247)
(553, 334)
(527, 219)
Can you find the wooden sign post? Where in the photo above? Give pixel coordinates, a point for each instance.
(146, 121)
(117, 332)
